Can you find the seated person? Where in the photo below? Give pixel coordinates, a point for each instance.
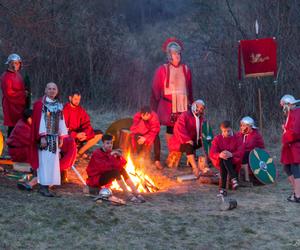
(79, 126)
(226, 154)
(19, 143)
(19, 140)
(144, 132)
(187, 134)
(251, 139)
(107, 165)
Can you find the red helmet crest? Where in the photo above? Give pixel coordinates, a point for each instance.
(172, 40)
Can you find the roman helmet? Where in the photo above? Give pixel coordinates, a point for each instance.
(13, 57)
(196, 109)
(170, 44)
(286, 101)
(248, 123)
(105, 193)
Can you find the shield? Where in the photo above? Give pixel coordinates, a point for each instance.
(207, 136)
(115, 128)
(262, 166)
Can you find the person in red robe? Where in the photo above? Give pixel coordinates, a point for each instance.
(107, 165)
(290, 151)
(251, 139)
(187, 133)
(19, 140)
(171, 88)
(226, 154)
(145, 128)
(79, 124)
(13, 93)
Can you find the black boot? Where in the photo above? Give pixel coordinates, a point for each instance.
(44, 190)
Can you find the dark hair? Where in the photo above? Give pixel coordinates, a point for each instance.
(75, 92)
(225, 124)
(27, 114)
(145, 109)
(107, 137)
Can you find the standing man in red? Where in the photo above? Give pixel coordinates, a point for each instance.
(79, 124)
(290, 151)
(144, 130)
(171, 88)
(13, 92)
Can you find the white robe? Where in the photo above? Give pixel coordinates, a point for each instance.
(49, 170)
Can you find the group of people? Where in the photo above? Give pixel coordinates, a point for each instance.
(48, 137)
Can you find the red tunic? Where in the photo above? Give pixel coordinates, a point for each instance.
(252, 140)
(290, 152)
(19, 142)
(184, 131)
(161, 103)
(14, 97)
(100, 163)
(233, 144)
(77, 120)
(148, 129)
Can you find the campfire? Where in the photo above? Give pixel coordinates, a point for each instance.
(143, 182)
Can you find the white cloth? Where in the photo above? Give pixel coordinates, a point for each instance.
(197, 119)
(177, 88)
(49, 170)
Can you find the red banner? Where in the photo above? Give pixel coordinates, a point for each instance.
(258, 57)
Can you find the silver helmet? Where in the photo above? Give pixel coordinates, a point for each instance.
(13, 58)
(195, 107)
(247, 120)
(105, 192)
(286, 101)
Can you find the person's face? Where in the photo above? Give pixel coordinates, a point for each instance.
(245, 129)
(175, 57)
(146, 116)
(107, 145)
(51, 90)
(226, 132)
(29, 120)
(200, 110)
(75, 100)
(15, 66)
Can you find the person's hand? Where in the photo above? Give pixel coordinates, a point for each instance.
(223, 155)
(116, 152)
(141, 140)
(43, 142)
(190, 142)
(228, 154)
(60, 142)
(81, 136)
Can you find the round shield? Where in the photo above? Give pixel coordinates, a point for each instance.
(1, 143)
(262, 166)
(207, 136)
(115, 128)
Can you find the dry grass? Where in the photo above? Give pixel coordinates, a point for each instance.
(179, 216)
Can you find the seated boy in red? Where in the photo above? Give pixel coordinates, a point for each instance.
(107, 165)
(226, 155)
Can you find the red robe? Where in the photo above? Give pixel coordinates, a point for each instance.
(19, 142)
(232, 144)
(100, 163)
(77, 120)
(13, 97)
(252, 140)
(184, 131)
(290, 151)
(161, 103)
(148, 129)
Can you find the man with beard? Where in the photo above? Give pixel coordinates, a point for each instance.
(13, 92)
(79, 125)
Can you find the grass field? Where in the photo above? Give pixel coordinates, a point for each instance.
(179, 216)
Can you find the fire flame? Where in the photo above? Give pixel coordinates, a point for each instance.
(143, 182)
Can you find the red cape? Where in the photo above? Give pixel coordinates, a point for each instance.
(13, 97)
(100, 163)
(77, 120)
(161, 103)
(290, 152)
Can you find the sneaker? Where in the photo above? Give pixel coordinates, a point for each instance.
(293, 198)
(235, 184)
(222, 193)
